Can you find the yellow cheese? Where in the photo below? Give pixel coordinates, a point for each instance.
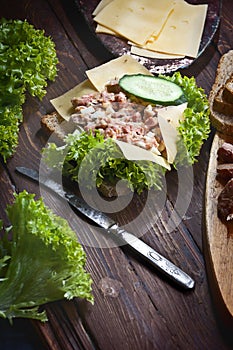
(135, 20)
(183, 30)
(135, 153)
(98, 77)
(100, 6)
(140, 51)
(169, 119)
(102, 29)
(115, 68)
(62, 104)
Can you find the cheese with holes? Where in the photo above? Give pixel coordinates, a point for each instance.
(182, 32)
(135, 20)
(166, 27)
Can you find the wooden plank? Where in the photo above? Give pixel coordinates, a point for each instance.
(135, 307)
(128, 291)
(90, 49)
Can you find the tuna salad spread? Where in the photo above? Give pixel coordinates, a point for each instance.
(116, 116)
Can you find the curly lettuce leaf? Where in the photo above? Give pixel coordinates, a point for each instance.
(27, 60)
(11, 117)
(96, 160)
(41, 263)
(195, 127)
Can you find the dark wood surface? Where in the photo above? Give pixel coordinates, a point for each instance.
(135, 307)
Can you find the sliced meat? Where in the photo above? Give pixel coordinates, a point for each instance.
(225, 172)
(225, 202)
(225, 153)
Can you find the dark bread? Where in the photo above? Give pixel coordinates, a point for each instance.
(51, 123)
(228, 91)
(54, 124)
(221, 104)
(221, 108)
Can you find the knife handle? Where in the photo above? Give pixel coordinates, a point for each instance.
(171, 270)
(156, 259)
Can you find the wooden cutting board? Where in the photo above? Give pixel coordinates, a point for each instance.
(218, 242)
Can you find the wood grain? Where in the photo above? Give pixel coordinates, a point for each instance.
(135, 307)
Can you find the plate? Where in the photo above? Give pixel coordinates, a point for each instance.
(218, 242)
(118, 46)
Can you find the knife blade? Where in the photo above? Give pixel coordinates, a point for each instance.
(164, 265)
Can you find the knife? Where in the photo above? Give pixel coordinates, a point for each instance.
(165, 266)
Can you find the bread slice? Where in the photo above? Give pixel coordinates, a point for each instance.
(54, 124)
(228, 91)
(51, 123)
(220, 109)
(221, 104)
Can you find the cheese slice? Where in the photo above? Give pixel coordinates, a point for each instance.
(104, 30)
(115, 68)
(140, 51)
(169, 119)
(98, 77)
(62, 104)
(182, 31)
(100, 6)
(135, 20)
(135, 153)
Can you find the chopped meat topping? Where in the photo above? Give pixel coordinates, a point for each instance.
(117, 117)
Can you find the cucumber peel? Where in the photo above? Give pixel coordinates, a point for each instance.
(153, 89)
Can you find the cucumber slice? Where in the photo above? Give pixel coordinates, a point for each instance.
(153, 89)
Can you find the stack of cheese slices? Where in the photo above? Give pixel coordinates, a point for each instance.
(154, 28)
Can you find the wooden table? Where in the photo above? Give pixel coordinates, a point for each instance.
(135, 307)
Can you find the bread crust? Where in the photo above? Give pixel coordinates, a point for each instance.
(51, 123)
(222, 115)
(228, 91)
(54, 124)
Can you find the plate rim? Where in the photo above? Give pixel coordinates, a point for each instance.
(155, 66)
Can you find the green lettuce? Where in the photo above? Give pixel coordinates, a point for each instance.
(96, 160)
(11, 117)
(195, 127)
(40, 260)
(27, 60)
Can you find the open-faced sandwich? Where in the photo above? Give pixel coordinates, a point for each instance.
(123, 123)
